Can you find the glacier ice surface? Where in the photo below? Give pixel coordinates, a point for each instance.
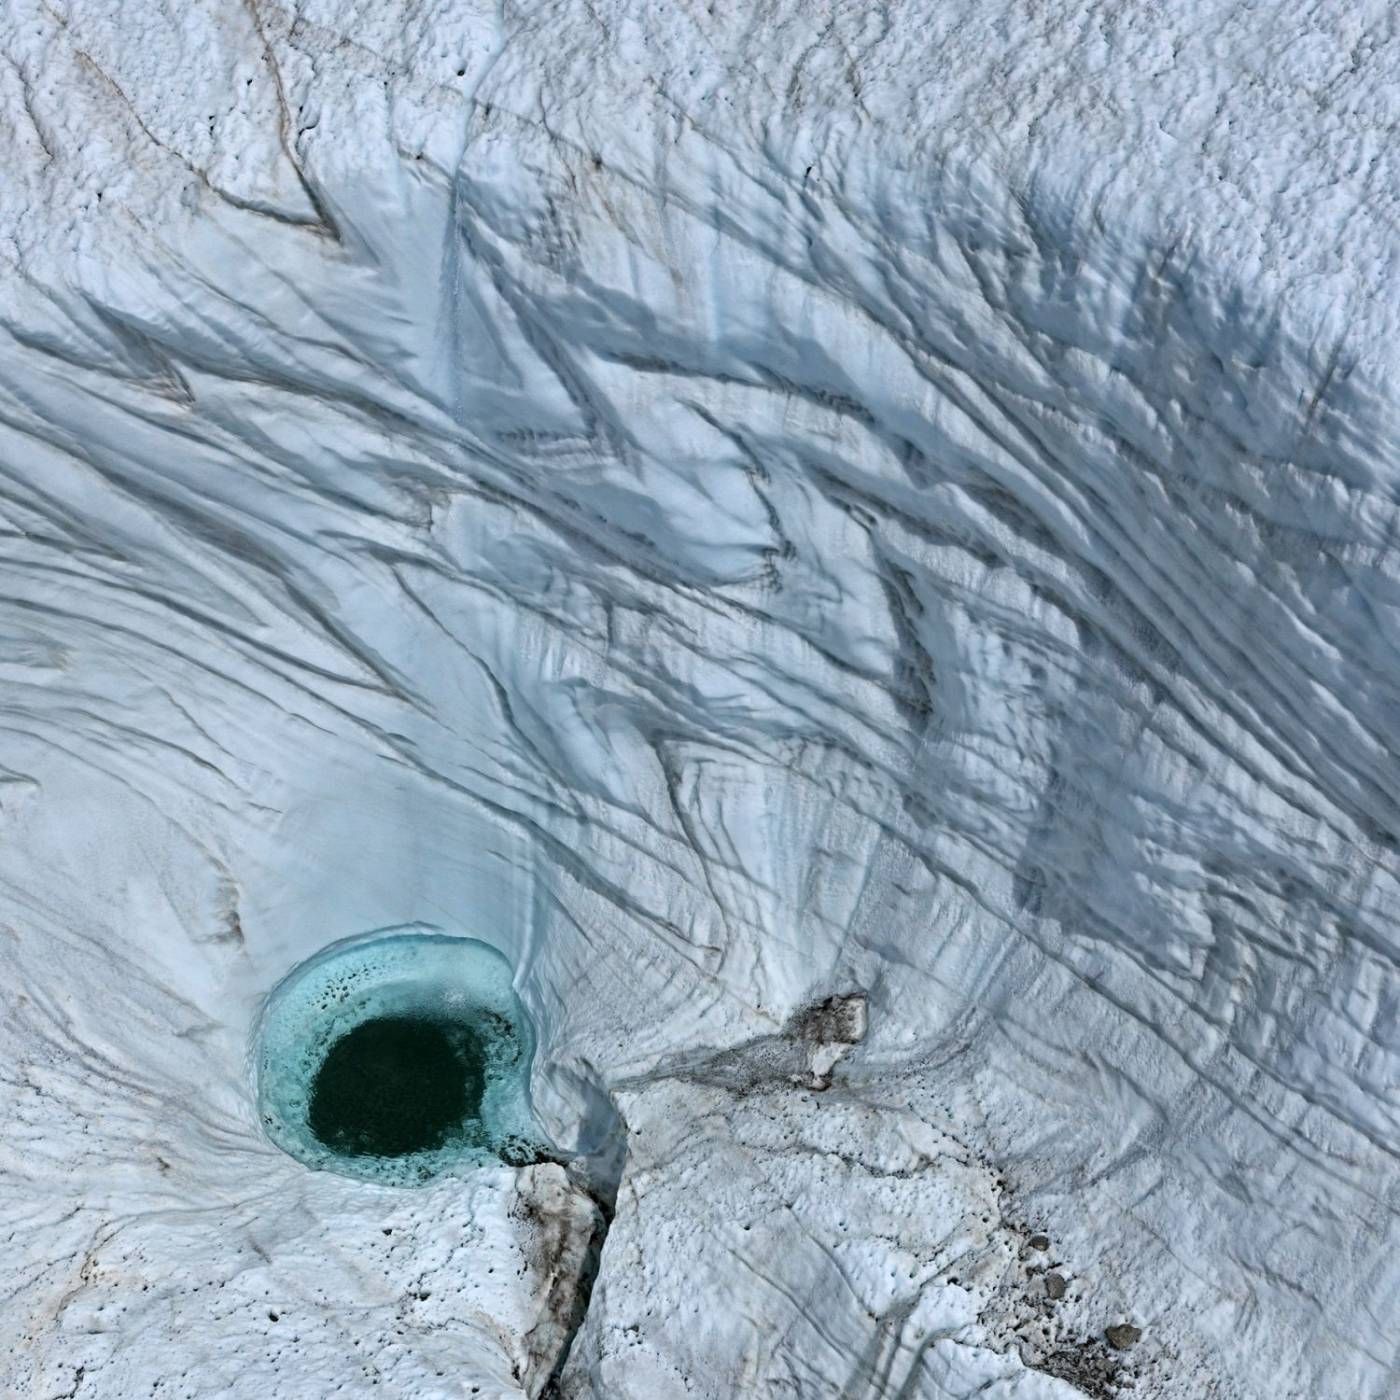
(747, 509)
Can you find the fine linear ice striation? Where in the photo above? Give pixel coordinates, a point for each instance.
(754, 512)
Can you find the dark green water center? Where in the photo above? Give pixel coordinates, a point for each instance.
(397, 1084)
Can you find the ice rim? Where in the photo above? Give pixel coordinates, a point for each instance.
(405, 971)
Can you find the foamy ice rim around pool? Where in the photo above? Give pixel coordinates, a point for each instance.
(397, 972)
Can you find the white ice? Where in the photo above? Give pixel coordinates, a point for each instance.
(733, 505)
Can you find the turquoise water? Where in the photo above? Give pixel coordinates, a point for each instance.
(397, 1058)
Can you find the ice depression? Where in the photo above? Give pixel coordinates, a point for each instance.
(396, 1058)
(854, 545)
